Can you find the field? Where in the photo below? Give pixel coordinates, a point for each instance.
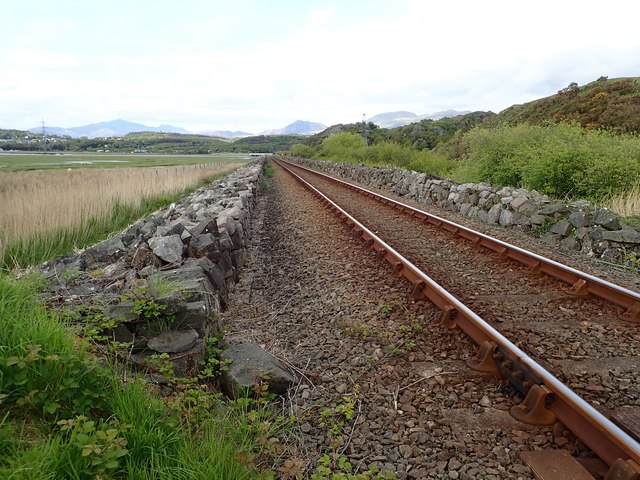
(45, 213)
(10, 162)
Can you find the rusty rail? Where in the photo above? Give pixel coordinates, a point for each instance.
(581, 283)
(547, 399)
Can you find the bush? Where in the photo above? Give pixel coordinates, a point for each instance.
(300, 150)
(343, 146)
(350, 147)
(558, 159)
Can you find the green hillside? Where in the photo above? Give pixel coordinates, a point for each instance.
(145, 142)
(422, 135)
(612, 104)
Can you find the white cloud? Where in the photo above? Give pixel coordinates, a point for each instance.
(253, 66)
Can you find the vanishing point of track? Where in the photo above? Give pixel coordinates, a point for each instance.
(547, 399)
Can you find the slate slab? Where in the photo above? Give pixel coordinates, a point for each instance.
(250, 365)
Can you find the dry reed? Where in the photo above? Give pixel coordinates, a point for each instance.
(627, 203)
(33, 202)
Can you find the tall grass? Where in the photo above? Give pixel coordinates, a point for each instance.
(626, 203)
(46, 214)
(38, 355)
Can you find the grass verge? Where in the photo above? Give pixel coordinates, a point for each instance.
(65, 414)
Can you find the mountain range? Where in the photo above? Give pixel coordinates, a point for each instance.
(299, 127)
(114, 128)
(398, 119)
(119, 127)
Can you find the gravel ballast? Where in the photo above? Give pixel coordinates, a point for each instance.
(377, 380)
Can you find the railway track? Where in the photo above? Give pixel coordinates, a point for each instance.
(570, 328)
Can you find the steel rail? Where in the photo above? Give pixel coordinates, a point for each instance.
(581, 283)
(605, 438)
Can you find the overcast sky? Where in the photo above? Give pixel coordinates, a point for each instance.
(256, 65)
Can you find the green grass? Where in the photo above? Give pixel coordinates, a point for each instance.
(101, 427)
(15, 162)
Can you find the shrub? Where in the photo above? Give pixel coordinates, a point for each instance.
(300, 150)
(350, 147)
(557, 159)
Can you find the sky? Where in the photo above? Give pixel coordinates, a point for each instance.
(255, 65)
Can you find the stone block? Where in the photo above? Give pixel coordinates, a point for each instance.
(226, 222)
(107, 251)
(173, 341)
(173, 302)
(194, 283)
(197, 316)
(213, 273)
(552, 238)
(622, 236)
(570, 243)
(607, 219)
(555, 209)
(170, 249)
(464, 208)
(144, 257)
(250, 366)
(204, 245)
(123, 311)
(561, 227)
(520, 219)
(506, 218)
(207, 225)
(580, 219)
(175, 227)
(537, 219)
(493, 216)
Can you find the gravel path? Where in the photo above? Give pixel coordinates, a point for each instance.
(380, 383)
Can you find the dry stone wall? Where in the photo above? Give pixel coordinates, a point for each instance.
(579, 226)
(160, 284)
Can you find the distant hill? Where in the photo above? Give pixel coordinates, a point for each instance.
(613, 104)
(114, 128)
(226, 133)
(398, 119)
(299, 127)
(420, 134)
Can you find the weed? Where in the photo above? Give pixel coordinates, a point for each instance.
(360, 330)
(161, 286)
(71, 274)
(162, 364)
(94, 449)
(334, 465)
(267, 171)
(385, 309)
(338, 467)
(213, 366)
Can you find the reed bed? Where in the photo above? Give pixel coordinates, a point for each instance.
(53, 203)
